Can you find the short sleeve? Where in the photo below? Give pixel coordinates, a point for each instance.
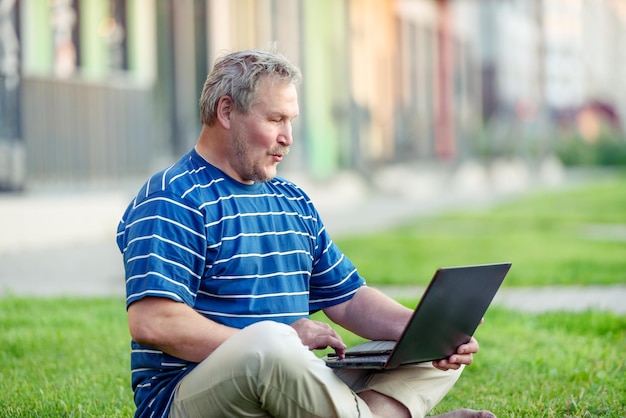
(163, 242)
(334, 278)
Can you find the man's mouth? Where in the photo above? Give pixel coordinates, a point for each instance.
(278, 155)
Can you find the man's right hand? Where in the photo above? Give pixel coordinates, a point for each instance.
(319, 335)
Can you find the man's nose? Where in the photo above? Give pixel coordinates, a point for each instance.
(285, 137)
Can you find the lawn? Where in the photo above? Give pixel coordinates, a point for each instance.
(571, 237)
(548, 365)
(69, 357)
(64, 358)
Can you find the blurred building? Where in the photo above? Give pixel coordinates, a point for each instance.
(512, 77)
(12, 159)
(108, 89)
(584, 61)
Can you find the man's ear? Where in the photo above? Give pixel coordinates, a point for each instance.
(225, 110)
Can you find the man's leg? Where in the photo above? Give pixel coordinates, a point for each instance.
(384, 406)
(418, 387)
(264, 370)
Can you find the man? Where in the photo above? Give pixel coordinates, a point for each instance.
(224, 261)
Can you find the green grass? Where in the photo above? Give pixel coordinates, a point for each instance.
(556, 238)
(69, 358)
(64, 358)
(547, 365)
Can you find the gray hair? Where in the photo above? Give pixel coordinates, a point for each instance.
(237, 75)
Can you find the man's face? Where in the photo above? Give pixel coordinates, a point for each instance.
(261, 138)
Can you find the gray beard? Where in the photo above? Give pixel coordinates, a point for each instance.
(249, 170)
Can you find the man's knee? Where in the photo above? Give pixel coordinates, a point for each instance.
(266, 367)
(268, 337)
(262, 345)
(249, 359)
(274, 344)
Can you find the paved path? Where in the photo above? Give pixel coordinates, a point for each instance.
(544, 299)
(62, 243)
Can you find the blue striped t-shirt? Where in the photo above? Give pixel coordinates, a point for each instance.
(236, 253)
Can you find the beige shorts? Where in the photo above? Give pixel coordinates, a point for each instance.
(265, 371)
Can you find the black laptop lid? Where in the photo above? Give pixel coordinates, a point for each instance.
(449, 312)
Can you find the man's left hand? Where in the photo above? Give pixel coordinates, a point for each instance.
(464, 356)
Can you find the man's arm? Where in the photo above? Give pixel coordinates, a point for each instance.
(175, 328)
(371, 314)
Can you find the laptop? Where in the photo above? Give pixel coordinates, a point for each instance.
(446, 317)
